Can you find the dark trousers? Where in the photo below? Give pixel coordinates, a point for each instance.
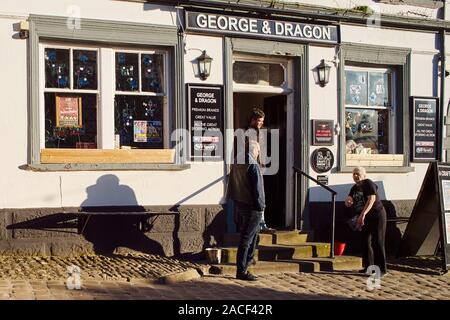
(373, 235)
(249, 221)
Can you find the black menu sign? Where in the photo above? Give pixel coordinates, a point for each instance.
(425, 125)
(205, 105)
(429, 225)
(322, 132)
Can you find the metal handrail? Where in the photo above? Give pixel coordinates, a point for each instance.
(333, 200)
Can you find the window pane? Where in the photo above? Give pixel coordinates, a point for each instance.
(60, 134)
(355, 88)
(139, 121)
(379, 89)
(152, 72)
(266, 74)
(367, 131)
(57, 68)
(84, 69)
(127, 71)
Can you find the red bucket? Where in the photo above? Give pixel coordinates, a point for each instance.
(339, 248)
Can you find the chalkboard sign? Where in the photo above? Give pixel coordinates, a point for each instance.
(322, 160)
(429, 223)
(322, 132)
(425, 126)
(205, 104)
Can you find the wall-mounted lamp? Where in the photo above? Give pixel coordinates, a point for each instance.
(322, 73)
(24, 29)
(204, 65)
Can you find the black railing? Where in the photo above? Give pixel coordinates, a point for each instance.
(333, 200)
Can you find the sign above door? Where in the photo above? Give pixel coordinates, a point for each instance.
(255, 27)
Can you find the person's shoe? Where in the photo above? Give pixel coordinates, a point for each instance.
(246, 276)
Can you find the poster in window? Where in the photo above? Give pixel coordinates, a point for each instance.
(355, 88)
(68, 111)
(425, 125)
(147, 131)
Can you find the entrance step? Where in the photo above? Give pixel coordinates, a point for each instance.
(281, 252)
(339, 263)
(261, 268)
(278, 237)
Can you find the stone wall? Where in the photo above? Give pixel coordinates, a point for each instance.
(184, 232)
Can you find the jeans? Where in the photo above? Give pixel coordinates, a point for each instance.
(249, 228)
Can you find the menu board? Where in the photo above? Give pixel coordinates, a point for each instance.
(429, 224)
(205, 105)
(425, 126)
(323, 132)
(68, 111)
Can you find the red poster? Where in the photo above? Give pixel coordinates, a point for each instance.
(68, 111)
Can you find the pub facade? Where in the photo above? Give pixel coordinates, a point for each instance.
(122, 115)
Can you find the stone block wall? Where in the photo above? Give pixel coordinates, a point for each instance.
(184, 232)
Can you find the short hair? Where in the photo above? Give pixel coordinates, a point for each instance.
(361, 170)
(256, 113)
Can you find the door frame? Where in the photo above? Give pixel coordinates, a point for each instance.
(297, 57)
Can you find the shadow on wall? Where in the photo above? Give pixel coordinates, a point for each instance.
(320, 215)
(111, 231)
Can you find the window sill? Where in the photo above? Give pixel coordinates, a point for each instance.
(106, 167)
(402, 169)
(107, 156)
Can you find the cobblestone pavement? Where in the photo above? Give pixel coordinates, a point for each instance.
(133, 277)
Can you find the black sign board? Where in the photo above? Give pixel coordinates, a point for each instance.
(425, 126)
(323, 179)
(323, 132)
(322, 160)
(265, 28)
(205, 104)
(429, 223)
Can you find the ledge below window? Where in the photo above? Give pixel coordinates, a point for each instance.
(106, 167)
(383, 163)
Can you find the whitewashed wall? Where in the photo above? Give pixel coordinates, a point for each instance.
(202, 184)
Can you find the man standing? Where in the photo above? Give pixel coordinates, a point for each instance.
(246, 188)
(255, 123)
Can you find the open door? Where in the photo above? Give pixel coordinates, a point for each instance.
(275, 185)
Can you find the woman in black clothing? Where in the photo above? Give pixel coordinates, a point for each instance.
(363, 197)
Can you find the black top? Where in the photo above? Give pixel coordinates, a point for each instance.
(360, 192)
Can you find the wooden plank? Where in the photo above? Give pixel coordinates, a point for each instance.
(376, 157)
(107, 156)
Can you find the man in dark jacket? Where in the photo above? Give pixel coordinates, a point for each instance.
(246, 188)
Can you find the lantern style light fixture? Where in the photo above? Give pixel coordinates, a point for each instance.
(322, 73)
(204, 65)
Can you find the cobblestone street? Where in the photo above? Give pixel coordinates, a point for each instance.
(138, 276)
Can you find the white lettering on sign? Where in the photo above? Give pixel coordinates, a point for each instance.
(264, 27)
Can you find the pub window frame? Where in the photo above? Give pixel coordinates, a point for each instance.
(45, 29)
(373, 56)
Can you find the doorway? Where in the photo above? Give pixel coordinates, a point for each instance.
(275, 109)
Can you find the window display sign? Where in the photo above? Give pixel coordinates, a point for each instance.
(322, 160)
(68, 111)
(147, 131)
(205, 105)
(425, 126)
(429, 224)
(322, 132)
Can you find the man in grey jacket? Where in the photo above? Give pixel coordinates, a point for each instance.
(246, 188)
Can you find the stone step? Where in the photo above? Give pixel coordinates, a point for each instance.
(261, 268)
(279, 237)
(339, 263)
(280, 252)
